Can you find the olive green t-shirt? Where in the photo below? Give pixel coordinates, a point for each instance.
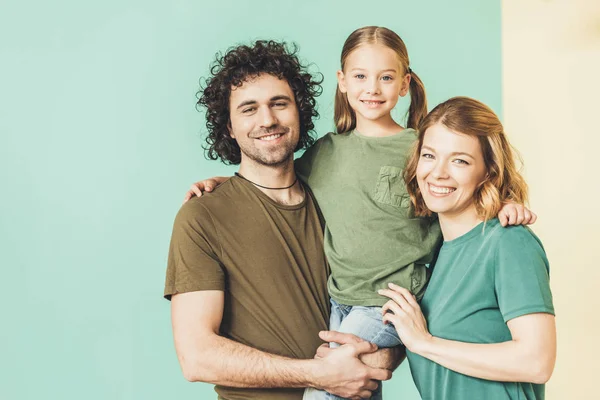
(268, 259)
(371, 235)
(480, 281)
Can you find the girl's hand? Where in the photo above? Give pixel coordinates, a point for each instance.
(206, 185)
(405, 314)
(516, 214)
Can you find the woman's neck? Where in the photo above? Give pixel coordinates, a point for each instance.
(384, 126)
(456, 225)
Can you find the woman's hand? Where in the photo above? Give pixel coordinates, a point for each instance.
(405, 314)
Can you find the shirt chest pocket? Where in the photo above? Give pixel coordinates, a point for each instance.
(390, 188)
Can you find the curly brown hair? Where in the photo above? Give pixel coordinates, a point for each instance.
(234, 68)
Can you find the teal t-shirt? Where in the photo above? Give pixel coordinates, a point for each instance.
(480, 281)
(371, 234)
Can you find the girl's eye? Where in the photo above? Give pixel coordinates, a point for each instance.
(359, 76)
(462, 162)
(427, 155)
(387, 78)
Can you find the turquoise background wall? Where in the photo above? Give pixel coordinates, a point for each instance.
(100, 139)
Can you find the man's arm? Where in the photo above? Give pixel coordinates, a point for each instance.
(206, 356)
(388, 358)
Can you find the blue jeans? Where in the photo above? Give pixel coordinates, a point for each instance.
(364, 322)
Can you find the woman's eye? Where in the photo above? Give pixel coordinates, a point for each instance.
(427, 155)
(462, 162)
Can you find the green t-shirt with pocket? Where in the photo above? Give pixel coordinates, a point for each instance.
(371, 234)
(480, 281)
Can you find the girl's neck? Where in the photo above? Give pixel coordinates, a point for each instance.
(454, 225)
(384, 126)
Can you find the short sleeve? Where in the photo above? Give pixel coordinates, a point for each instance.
(522, 274)
(304, 164)
(193, 263)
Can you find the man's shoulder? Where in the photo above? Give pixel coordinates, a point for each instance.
(210, 203)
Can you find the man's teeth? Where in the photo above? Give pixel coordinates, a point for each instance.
(441, 190)
(271, 137)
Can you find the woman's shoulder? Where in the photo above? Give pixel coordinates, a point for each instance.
(513, 239)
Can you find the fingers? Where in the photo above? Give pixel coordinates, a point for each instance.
(323, 350)
(520, 214)
(512, 216)
(363, 347)
(401, 296)
(533, 218)
(196, 189)
(339, 337)
(392, 306)
(188, 196)
(410, 298)
(503, 217)
(380, 374)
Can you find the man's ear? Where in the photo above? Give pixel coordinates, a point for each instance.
(341, 78)
(230, 130)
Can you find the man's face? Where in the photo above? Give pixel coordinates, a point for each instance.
(264, 120)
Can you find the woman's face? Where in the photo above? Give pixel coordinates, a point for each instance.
(450, 169)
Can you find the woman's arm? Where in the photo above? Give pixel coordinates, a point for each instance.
(528, 357)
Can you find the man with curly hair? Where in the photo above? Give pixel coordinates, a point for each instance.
(246, 272)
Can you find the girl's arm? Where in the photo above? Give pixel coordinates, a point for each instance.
(528, 357)
(206, 185)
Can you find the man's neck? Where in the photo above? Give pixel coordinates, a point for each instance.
(278, 176)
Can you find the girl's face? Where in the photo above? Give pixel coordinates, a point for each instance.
(373, 79)
(450, 169)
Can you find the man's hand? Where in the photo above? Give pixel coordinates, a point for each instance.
(389, 358)
(340, 370)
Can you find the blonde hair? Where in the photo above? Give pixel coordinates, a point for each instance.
(344, 116)
(503, 181)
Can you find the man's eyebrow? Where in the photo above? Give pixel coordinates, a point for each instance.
(246, 103)
(281, 97)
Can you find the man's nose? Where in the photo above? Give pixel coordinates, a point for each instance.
(267, 117)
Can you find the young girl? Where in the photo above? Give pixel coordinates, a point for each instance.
(372, 236)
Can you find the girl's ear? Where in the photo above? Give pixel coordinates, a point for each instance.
(341, 78)
(405, 85)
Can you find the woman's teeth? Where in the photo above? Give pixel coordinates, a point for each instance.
(441, 190)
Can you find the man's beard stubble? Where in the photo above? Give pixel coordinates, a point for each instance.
(275, 157)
